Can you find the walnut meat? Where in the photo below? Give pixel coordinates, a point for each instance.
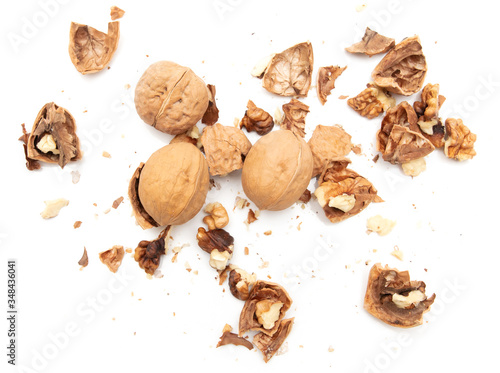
(372, 43)
(394, 299)
(289, 72)
(112, 258)
(342, 193)
(148, 253)
(257, 120)
(267, 304)
(171, 97)
(53, 138)
(225, 148)
(91, 50)
(403, 69)
(326, 143)
(241, 283)
(427, 111)
(219, 244)
(171, 187)
(270, 344)
(326, 80)
(371, 102)
(295, 117)
(399, 138)
(277, 170)
(459, 143)
(218, 216)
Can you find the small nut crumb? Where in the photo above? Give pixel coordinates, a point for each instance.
(117, 202)
(239, 203)
(84, 261)
(330, 349)
(268, 233)
(414, 167)
(247, 250)
(53, 207)
(380, 225)
(112, 258)
(77, 224)
(218, 259)
(105, 154)
(397, 253)
(75, 177)
(251, 217)
(116, 13)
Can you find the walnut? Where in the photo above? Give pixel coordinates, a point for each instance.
(219, 244)
(232, 338)
(240, 283)
(211, 116)
(414, 167)
(371, 102)
(270, 344)
(53, 207)
(343, 193)
(394, 299)
(225, 148)
(289, 72)
(326, 143)
(372, 43)
(91, 50)
(171, 97)
(295, 117)
(459, 141)
(380, 225)
(428, 114)
(273, 297)
(403, 69)
(148, 253)
(116, 13)
(399, 138)
(257, 120)
(192, 136)
(112, 258)
(326, 80)
(53, 138)
(218, 216)
(218, 259)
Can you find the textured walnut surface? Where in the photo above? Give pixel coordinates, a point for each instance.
(113, 257)
(270, 344)
(257, 120)
(459, 143)
(295, 117)
(326, 80)
(372, 43)
(371, 102)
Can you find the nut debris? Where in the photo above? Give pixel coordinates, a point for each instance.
(113, 257)
(53, 207)
(372, 43)
(326, 81)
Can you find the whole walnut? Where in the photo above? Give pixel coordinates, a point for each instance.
(277, 170)
(171, 97)
(171, 187)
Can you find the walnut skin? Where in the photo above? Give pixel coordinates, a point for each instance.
(459, 143)
(257, 120)
(91, 50)
(372, 43)
(428, 114)
(112, 258)
(326, 80)
(403, 69)
(270, 344)
(148, 253)
(295, 117)
(371, 102)
(289, 72)
(342, 193)
(277, 170)
(326, 143)
(263, 291)
(53, 137)
(225, 148)
(394, 299)
(171, 187)
(170, 97)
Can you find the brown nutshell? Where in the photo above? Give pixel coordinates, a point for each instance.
(295, 117)
(270, 344)
(257, 120)
(241, 283)
(326, 80)
(372, 43)
(112, 258)
(211, 116)
(31, 164)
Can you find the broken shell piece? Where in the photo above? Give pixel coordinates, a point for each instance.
(380, 225)
(231, 338)
(372, 43)
(295, 117)
(326, 80)
(53, 207)
(269, 345)
(113, 257)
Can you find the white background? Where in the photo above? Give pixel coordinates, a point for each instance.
(447, 220)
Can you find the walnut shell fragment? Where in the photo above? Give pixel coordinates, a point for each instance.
(399, 138)
(264, 296)
(53, 137)
(342, 193)
(171, 97)
(84, 261)
(232, 338)
(112, 258)
(148, 253)
(459, 143)
(91, 50)
(289, 72)
(326, 143)
(394, 299)
(403, 69)
(326, 80)
(116, 13)
(257, 120)
(270, 344)
(427, 111)
(31, 164)
(225, 148)
(372, 43)
(372, 101)
(141, 216)
(211, 116)
(295, 117)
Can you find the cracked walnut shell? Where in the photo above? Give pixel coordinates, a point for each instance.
(113, 257)
(372, 43)
(326, 80)
(91, 50)
(277, 170)
(257, 120)
(171, 97)
(295, 117)
(53, 138)
(225, 148)
(394, 299)
(270, 344)
(289, 72)
(372, 101)
(171, 187)
(241, 283)
(459, 143)
(403, 69)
